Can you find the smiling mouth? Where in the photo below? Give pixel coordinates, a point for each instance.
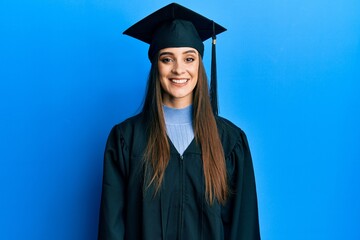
(179, 81)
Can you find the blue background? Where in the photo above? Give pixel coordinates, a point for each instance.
(288, 75)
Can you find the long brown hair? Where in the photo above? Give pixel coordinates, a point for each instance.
(157, 152)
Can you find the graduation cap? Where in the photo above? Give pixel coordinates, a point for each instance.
(177, 26)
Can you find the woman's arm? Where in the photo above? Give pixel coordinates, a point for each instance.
(111, 224)
(240, 215)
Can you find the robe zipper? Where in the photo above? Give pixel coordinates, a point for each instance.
(181, 209)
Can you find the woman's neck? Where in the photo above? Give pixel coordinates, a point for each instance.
(178, 115)
(177, 102)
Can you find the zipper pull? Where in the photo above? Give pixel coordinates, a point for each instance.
(181, 157)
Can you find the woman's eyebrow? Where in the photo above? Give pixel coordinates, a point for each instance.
(170, 53)
(166, 53)
(189, 51)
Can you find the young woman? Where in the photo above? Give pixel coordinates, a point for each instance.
(177, 170)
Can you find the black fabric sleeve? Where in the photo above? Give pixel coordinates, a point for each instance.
(240, 214)
(111, 223)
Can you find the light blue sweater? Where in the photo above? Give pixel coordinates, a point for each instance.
(179, 126)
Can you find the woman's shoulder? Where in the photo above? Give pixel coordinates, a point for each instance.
(228, 128)
(231, 135)
(131, 126)
(132, 121)
(131, 133)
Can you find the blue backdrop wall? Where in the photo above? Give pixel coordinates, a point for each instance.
(289, 76)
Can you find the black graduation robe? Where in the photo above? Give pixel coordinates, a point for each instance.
(180, 210)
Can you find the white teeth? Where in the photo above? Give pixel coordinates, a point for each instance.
(179, 80)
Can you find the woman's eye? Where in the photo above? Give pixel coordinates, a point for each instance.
(165, 60)
(190, 59)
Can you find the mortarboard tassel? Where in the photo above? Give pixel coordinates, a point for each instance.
(213, 83)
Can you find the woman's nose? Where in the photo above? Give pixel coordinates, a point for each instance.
(178, 68)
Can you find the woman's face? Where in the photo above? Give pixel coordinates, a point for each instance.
(178, 73)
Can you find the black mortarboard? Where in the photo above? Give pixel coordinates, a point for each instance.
(177, 26)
